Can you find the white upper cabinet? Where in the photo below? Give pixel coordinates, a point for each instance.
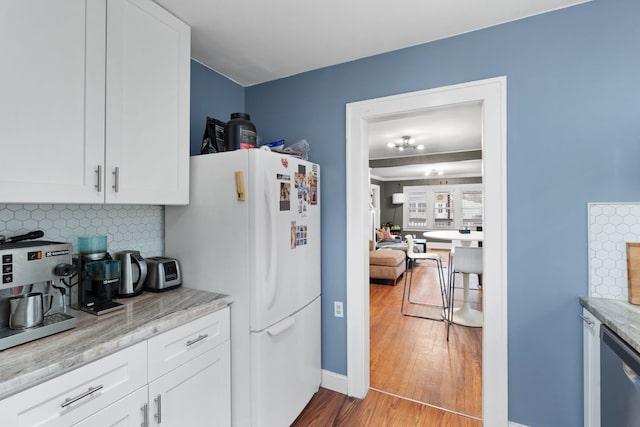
(147, 105)
(52, 83)
(95, 102)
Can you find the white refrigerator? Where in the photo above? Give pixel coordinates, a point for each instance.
(252, 231)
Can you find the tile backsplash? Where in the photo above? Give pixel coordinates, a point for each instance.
(139, 227)
(611, 226)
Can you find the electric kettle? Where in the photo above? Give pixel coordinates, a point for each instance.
(133, 272)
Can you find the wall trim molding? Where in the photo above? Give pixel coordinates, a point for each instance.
(492, 94)
(334, 382)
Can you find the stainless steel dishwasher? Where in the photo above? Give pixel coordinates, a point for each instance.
(619, 381)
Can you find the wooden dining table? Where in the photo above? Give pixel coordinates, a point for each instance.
(465, 315)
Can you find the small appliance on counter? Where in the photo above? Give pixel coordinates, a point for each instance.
(133, 272)
(98, 277)
(162, 274)
(32, 272)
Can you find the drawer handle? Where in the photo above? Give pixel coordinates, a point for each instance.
(587, 320)
(195, 340)
(69, 400)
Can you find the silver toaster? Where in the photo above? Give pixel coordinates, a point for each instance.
(162, 273)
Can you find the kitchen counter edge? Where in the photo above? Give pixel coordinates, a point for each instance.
(621, 317)
(94, 337)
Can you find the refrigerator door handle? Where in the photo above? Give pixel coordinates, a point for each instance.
(282, 327)
(270, 282)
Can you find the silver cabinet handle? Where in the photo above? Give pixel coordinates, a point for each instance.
(116, 179)
(99, 173)
(69, 400)
(158, 414)
(587, 320)
(195, 340)
(145, 415)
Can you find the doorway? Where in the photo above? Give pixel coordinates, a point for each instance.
(492, 94)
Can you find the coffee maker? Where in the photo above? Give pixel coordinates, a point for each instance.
(33, 289)
(98, 277)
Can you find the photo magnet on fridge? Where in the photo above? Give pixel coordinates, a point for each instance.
(285, 192)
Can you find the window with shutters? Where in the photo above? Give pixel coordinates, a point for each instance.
(432, 207)
(416, 208)
(472, 209)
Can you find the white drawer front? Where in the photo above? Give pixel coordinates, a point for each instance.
(126, 412)
(73, 396)
(177, 346)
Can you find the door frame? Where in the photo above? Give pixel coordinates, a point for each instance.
(374, 190)
(493, 95)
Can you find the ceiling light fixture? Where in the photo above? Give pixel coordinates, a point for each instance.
(406, 143)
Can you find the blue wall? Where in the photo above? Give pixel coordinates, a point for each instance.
(573, 137)
(212, 95)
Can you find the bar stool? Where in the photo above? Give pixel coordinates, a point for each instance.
(414, 258)
(465, 260)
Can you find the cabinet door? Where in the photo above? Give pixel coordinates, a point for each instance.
(197, 393)
(591, 355)
(130, 411)
(147, 104)
(52, 104)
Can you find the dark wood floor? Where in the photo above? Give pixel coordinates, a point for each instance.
(411, 358)
(329, 408)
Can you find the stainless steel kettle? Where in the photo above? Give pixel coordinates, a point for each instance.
(133, 272)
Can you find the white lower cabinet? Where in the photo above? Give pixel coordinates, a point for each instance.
(130, 411)
(190, 374)
(181, 377)
(195, 394)
(591, 361)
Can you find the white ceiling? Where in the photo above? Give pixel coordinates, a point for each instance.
(254, 41)
(455, 128)
(441, 130)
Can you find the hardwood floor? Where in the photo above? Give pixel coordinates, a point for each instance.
(329, 408)
(412, 366)
(411, 357)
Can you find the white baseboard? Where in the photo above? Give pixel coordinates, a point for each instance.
(335, 382)
(512, 424)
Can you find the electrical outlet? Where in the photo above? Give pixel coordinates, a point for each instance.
(337, 309)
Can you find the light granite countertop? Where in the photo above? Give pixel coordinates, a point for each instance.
(96, 336)
(620, 316)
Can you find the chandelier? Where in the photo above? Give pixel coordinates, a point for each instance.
(406, 143)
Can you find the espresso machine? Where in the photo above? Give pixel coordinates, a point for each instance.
(98, 277)
(35, 279)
